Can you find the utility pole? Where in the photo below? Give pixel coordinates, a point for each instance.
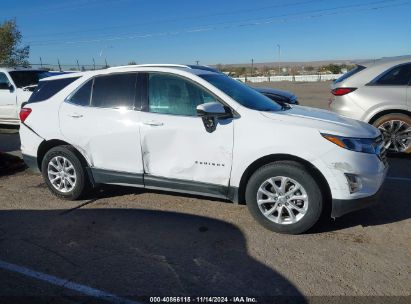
(41, 63)
(105, 60)
(58, 61)
(279, 55)
(94, 64)
(197, 62)
(252, 67)
(78, 66)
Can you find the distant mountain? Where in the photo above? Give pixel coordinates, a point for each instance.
(293, 63)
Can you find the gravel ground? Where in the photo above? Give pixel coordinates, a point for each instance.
(312, 94)
(132, 242)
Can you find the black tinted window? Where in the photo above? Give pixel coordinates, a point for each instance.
(27, 78)
(114, 91)
(49, 88)
(400, 75)
(82, 96)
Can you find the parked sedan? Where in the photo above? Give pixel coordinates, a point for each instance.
(279, 96)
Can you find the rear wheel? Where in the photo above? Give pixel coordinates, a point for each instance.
(284, 197)
(396, 131)
(64, 173)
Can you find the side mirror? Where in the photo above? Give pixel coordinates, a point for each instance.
(210, 112)
(212, 109)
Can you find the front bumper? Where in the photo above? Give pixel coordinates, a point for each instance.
(342, 206)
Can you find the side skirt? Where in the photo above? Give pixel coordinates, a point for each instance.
(101, 176)
(185, 186)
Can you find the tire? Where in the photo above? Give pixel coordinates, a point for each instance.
(310, 208)
(396, 138)
(79, 185)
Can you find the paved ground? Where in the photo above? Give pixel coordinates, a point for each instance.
(129, 242)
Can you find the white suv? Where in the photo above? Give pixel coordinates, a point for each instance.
(192, 130)
(15, 88)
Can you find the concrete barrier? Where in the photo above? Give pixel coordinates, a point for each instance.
(299, 78)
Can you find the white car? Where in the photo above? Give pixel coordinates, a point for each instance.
(191, 130)
(15, 88)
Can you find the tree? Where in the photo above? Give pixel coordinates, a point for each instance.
(333, 68)
(11, 53)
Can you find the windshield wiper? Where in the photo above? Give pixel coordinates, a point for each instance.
(285, 106)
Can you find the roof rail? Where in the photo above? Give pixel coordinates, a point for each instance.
(165, 65)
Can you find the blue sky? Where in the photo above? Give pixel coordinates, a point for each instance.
(211, 31)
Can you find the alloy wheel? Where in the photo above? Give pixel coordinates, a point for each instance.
(282, 200)
(397, 135)
(61, 174)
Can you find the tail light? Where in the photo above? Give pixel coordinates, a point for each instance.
(24, 113)
(342, 91)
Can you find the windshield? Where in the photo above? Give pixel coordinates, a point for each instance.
(27, 78)
(241, 93)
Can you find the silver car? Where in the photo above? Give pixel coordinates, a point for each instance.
(378, 92)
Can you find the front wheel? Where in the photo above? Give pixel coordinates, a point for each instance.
(63, 173)
(284, 197)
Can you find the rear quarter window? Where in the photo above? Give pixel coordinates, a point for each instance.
(48, 88)
(350, 73)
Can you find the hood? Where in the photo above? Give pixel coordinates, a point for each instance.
(324, 121)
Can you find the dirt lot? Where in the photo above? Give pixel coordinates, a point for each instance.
(312, 94)
(129, 242)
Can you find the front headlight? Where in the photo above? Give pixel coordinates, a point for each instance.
(365, 145)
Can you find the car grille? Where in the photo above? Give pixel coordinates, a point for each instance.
(381, 151)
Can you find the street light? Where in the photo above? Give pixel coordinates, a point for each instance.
(279, 54)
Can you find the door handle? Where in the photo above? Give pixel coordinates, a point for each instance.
(153, 123)
(75, 115)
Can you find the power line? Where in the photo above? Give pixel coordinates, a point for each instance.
(191, 17)
(64, 6)
(244, 23)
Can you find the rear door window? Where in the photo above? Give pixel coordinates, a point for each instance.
(48, 88)
(114, 91)
(399, 75)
